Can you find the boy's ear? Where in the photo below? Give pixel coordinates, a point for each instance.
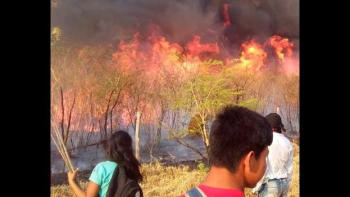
(249, 160)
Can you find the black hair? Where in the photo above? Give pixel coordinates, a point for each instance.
(119, 149)
(234, 132)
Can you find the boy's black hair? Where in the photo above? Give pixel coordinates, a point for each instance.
(234, 132)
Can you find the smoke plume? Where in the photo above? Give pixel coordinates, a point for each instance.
(109, 21)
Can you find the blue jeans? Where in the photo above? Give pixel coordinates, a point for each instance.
(274, 188)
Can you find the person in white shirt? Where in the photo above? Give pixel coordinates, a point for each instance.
(278, 175)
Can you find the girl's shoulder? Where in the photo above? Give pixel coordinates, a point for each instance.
(107, 164)
(105, 167)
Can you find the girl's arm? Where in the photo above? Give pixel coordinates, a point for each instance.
(91, 191)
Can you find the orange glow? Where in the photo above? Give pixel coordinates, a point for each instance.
(290, 66)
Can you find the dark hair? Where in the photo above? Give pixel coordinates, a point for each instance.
(236, 131)
(275, 121)
(119, 150)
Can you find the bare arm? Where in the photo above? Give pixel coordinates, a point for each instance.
(91, 191)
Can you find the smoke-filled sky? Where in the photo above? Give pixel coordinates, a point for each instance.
(109, 21)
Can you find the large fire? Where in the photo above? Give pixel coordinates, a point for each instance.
(156, 52)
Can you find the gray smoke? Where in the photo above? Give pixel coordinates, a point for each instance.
(109, 21)
(261, 19)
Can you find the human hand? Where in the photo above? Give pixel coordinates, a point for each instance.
(72, 175)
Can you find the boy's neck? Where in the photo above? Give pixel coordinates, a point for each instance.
(220, 177)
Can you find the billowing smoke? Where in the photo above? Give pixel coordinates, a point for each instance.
(261, 19)
(109, 21)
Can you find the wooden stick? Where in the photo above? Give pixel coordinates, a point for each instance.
(62, 149)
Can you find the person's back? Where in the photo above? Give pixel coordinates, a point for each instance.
(280, 156)
(238, 149)
(102, 180)
(102, 174)
(278, 175)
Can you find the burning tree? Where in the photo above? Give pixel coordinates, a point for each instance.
(201, 97)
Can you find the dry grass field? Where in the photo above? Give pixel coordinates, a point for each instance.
(170, 181)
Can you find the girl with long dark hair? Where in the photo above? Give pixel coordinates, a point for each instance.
(119, 152)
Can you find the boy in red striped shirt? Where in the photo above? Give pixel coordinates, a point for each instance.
(238, 142)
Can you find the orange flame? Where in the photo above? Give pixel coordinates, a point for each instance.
(157, 53)
(282, 47)
(253, 56)
(227, 21)
(195, 47)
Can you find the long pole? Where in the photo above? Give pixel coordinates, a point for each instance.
(137, 139)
